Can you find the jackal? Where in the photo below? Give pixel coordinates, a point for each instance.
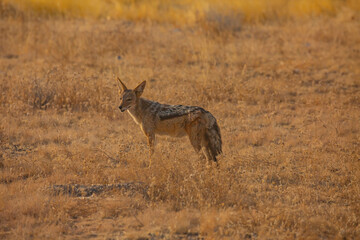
(173, 120)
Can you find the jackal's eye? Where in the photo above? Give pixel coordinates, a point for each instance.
(128, 100)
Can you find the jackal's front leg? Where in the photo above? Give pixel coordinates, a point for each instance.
(151, 145)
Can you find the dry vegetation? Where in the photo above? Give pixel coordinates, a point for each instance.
(184, 12)
(286, 96)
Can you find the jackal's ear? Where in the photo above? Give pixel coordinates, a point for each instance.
(140, 89)
(123, 87)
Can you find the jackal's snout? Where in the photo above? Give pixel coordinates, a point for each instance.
(123, 109)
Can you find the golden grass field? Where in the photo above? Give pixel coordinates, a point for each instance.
(286, 94)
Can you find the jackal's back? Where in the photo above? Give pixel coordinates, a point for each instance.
(166, 112)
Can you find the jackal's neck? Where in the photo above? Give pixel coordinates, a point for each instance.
(138, 112)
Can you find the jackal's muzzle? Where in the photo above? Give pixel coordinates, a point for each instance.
(122, 109)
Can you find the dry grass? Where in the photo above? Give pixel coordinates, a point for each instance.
(185, 12)
(286, 96)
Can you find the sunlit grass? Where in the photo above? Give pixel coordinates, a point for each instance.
(285, 94)
(183, 12)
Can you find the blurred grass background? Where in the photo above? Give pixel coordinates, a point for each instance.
(183, 12)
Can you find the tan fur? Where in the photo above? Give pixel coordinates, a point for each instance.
(172, 120)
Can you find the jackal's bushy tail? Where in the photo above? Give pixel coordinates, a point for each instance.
(213, 135)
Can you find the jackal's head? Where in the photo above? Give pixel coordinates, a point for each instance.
(128, 97)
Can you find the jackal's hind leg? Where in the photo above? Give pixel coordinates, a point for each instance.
(195, 136)
(195, 142)
(208, 154)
